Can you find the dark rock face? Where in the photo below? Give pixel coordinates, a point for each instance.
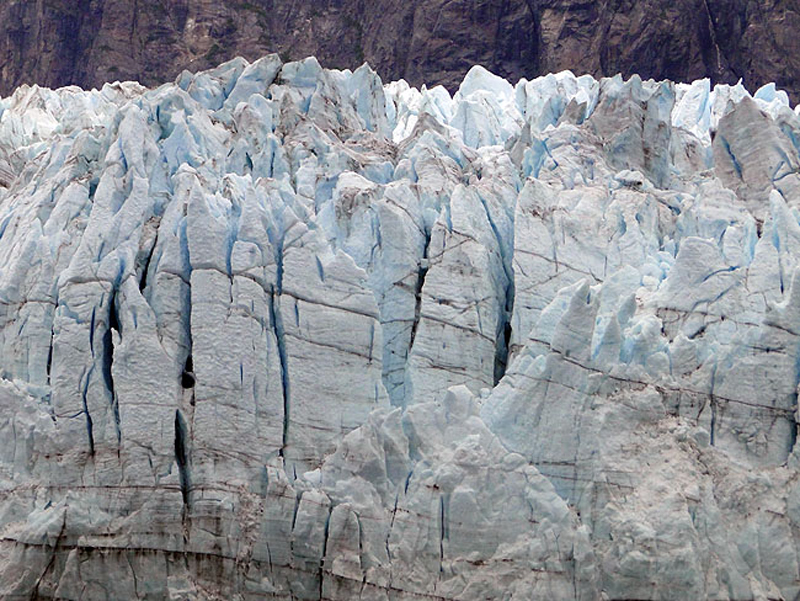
(88, 42)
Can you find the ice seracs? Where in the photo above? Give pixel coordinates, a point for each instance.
(276, 331)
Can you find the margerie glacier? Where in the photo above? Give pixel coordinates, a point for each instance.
(280, 332)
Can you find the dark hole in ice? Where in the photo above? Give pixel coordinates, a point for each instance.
(187, 377)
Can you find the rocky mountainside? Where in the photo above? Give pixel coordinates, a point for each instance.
(280, 332)
(89, 42)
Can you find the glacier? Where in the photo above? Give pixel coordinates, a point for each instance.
(274, 331)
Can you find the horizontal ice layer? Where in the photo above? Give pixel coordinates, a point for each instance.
(276, 331)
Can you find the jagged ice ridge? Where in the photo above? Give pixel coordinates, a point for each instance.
(281, 332)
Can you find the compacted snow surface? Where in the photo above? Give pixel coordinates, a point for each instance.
(280, 332)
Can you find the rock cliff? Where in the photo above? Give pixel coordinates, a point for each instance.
(89, 42)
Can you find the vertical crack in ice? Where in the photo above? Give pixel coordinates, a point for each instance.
(361, 559)
(188, 378)
(503, 340)
(442, 532)
(280, 339)
(279, 265)
(421, 275)
(89, 422)
(503, 334)
(504, 330)
(736, 165)
(91, 331)
(321, 573)
(713, 405)
(49, 368)
(133, 575)
(713, 424)
(391, 526)
(276, 234)
(146, 265)
(108, 359)
(182, 458)
(234, 219)
(295, 512)
(793, 432)
(52, 561)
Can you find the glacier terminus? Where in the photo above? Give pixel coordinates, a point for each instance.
(274, 331)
